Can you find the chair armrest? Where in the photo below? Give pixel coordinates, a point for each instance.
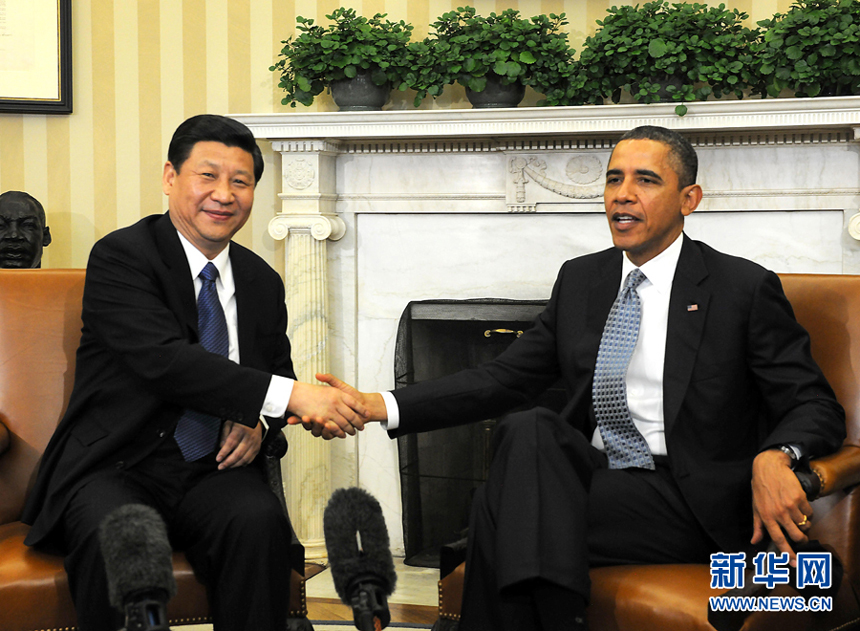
(838, 470)
(275, 449)
(5, 438)
(275, 446)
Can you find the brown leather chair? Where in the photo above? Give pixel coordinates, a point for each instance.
(40, 329)
(661, 597)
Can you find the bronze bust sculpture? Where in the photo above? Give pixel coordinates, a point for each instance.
(23, 230)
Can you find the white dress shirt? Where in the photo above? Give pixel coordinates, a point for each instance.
(645, 372)
(280, 388)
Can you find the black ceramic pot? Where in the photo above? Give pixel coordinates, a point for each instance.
(359, 94)
(496, 94)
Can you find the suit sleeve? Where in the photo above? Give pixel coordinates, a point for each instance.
(130, 307)
(282, 363)
(802, 407)
(524, 370)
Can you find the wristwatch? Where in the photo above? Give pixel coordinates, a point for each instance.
(788, 450)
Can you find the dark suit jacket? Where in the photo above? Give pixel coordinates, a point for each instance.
(139, 366)
(738, 376)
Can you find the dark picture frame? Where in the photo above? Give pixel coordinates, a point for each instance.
(43, 86)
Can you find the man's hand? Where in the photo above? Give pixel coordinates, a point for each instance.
(780, 506)
(240, 444)
(327, 412)
(372, 404)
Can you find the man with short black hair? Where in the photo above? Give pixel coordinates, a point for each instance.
(182, 374)
(691, 393)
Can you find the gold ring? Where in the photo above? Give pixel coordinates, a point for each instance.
(804, 522)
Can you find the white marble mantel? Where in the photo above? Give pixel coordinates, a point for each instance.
(380, 208)
(824, 114)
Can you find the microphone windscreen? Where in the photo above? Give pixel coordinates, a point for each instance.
(137, 553)
(352, 511)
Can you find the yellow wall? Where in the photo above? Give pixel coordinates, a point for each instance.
(140, 68)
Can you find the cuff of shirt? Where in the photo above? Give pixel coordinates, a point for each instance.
(277, 396)
(392, 411)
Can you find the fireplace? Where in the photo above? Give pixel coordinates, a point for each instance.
(439, 470)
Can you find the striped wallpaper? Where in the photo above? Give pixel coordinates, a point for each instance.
(141, 67)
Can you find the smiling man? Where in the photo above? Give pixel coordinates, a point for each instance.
(24, 231)
(691, 393)
(182, 376)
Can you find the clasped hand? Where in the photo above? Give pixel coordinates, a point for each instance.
(350, 410)
(780, 506)
(332, 411)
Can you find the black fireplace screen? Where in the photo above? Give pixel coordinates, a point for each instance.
(440, 470)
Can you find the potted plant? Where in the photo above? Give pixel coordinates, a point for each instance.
(814, 49)
(352, 50)
(661, 52)
(492, 55)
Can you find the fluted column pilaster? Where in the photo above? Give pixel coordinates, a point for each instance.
(307, 221)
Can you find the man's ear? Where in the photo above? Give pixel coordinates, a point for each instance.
(46, 237)
(167, 178)
(691, 196)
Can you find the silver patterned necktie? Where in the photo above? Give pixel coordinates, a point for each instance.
(625, 445)
(197, 433)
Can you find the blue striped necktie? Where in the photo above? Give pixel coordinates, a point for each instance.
(197, 433)
(625, 445)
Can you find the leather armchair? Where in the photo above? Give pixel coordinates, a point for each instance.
(660, 597)
(40, 329)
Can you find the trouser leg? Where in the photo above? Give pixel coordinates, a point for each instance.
(638, 516)
(551, 509)
(84, 561)
(529, 522)
(237, 538)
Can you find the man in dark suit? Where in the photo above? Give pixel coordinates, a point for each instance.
(161, 417)
(721, 390)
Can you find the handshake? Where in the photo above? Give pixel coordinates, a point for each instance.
(333, 412)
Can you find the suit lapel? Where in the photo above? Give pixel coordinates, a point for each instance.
(602, 293)
(180, 281)
(246, 313)
(688, 310)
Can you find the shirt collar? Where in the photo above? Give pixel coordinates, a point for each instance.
(197, 261)
(660, 271)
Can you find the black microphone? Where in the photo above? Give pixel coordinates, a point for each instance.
(361, 565)
(139, 566)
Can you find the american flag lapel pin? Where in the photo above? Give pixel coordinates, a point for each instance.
(693, 307)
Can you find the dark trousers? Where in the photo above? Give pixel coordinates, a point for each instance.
(229, 524)
(551, 509)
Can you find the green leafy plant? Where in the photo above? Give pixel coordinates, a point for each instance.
(814, 49)
(666, 52)
(468, 49)
(351, 45)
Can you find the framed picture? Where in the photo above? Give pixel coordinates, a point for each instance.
(36, 56)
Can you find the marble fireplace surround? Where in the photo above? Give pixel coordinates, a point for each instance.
(380, 208)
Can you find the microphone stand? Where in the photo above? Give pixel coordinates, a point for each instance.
(146, 611)
(369, 604)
